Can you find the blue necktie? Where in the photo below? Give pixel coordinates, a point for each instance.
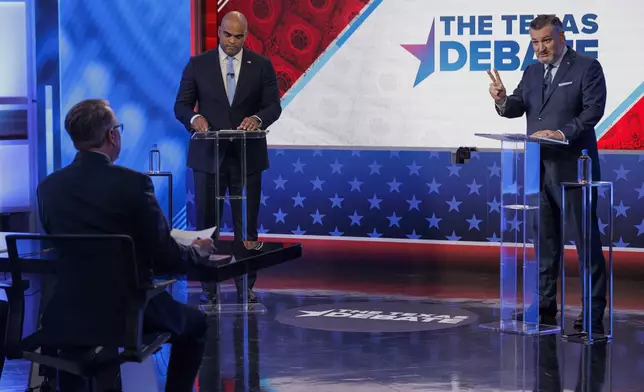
(230, 80)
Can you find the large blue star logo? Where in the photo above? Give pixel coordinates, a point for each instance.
(424, 53)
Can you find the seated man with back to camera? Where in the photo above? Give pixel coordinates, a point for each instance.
(94, 196)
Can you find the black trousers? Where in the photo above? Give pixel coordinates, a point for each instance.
(229, 180)
(188, 329)
(550, 244)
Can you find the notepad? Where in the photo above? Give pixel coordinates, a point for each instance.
(186, 237)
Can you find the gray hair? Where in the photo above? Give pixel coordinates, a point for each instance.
(88, 122)
(545, 20)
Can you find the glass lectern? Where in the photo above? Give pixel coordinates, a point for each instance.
(520, 172)
(236, 139)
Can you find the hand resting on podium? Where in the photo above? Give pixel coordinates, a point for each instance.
(548, 134)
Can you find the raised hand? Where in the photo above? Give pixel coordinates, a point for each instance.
(497, 89)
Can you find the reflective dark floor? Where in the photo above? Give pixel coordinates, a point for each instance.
(270, 355)
(468, 358)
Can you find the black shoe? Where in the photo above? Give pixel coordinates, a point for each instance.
(546, 317)
(597, 326)
(207, 298)
(578, 325)
(252, 298)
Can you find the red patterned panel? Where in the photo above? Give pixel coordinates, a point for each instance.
(298, 40)
(287, 73)
(254, 43)
(344, 13)
(262, 15)
(292, 33)
(628, 132)
(316, 12)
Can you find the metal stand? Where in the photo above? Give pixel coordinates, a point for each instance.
(520, 191)
(168, 175)
(585, 252)
(238, 140)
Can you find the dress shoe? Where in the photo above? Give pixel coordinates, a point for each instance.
(578, 325)
(545, 317)
(597, 326)
(252, 298)
(207, 298)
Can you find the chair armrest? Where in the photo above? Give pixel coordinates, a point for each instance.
(159, 285)
(155, 288)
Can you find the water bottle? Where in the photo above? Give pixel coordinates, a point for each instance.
(155, 160)
(584, 168)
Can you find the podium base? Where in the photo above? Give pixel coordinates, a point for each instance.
(219, 309)
(521, 328)
(584, 338)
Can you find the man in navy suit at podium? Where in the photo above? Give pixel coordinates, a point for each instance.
(233, 88)
(563, 96)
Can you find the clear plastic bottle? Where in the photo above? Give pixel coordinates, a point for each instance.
(155, 160)
(584, 168)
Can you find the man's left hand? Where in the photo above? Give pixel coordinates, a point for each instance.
(249, 124)
(556, 135)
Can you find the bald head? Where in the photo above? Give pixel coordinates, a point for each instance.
(235, 16)
(232, 32)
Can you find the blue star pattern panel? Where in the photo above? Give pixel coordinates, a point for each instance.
(415, 195)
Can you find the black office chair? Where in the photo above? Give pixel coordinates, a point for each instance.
(97, 305)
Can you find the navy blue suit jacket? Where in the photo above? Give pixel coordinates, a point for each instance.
(574, 106)
(256, 93)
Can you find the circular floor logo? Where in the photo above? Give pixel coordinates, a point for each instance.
(377, 317)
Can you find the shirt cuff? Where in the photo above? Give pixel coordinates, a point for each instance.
(501, 105)
(258, 119)
(192, 120)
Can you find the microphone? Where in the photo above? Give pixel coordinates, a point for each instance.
(230, 74)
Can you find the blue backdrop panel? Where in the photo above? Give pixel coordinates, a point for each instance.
(131, 53)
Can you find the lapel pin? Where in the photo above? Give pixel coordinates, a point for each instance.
(248, 61)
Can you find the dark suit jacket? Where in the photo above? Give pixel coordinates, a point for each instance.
(94, 196)
(256, 93)
(574, 105)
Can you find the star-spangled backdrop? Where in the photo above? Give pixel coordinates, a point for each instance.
(414, 195)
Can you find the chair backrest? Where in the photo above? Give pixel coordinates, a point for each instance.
(96, 300)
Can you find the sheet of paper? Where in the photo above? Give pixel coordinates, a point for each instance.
(186, 237)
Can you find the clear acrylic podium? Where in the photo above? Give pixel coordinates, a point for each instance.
(240, 138)
(520, 172)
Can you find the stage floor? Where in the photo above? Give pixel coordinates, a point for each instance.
(344, 322)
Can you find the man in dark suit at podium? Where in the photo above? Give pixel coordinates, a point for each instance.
(233, 88)
(563, 96)
(94, 196)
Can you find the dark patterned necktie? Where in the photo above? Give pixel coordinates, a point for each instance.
(547, 80)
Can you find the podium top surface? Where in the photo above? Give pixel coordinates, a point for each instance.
(521, 137)
(229, 134)
(592, 184)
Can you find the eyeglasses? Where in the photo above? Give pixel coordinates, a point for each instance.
(118, 128)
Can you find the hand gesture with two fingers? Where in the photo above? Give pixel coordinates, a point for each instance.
(497, 89)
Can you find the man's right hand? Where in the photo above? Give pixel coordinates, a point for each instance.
(497, 89)
(204, 246)
(200, 124)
